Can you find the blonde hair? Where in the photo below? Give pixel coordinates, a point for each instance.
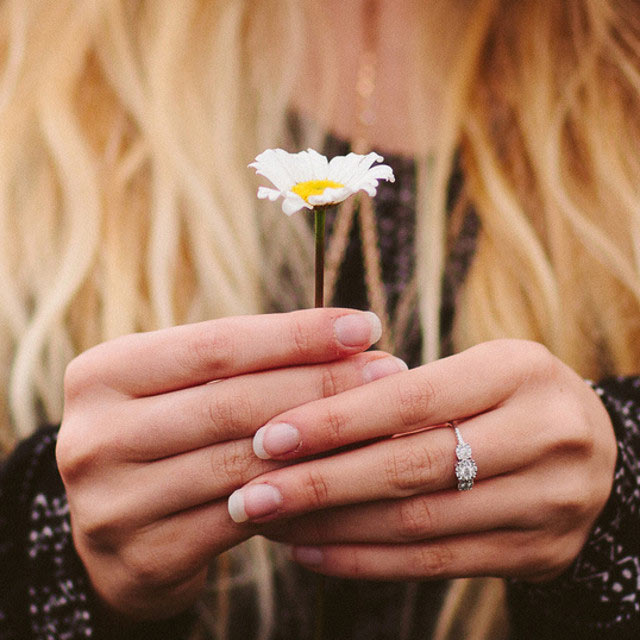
(550, 145)
(126, 205)
(125, 201)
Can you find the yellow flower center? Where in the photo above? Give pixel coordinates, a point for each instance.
(314, 188)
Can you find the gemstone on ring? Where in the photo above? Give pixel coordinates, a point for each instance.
(466, 468)
(466, 471)
(463, 451)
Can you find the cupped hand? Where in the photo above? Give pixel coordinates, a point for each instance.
(391, 509)
(157, 433)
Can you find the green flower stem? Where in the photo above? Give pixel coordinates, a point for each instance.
(319, 223)
(319, 218)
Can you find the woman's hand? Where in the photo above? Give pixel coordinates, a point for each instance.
(157, 433)
(390, 509)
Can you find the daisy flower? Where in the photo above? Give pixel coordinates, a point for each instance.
(307, 179)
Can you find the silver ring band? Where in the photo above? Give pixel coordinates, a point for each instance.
(466, 467)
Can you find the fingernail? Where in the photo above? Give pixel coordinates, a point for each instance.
(383, 367)
(357, 329)
(253, 502)
(275, 440)
(307, 555)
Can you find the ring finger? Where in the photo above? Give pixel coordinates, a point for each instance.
(421, 462)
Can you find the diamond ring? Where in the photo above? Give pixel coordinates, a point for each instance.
(466, 467)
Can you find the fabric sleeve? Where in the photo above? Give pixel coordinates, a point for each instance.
(599, 596)
(44, 590)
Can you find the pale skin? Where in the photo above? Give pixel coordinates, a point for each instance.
(149, 453)
(151, 450)
(391, 509)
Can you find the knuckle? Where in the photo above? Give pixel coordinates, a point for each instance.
(147, 568)
(231, 466)
(576, 433)
(567, 549)
(329, 382)
(572, 503)
(334, 424)
(94, 368)
(433, 560)
(525, 555)
(224, 410)
(414, 398)
(415, 519)
(549, 557)
(580, 426)
(528, 361)
(567, 430)
(540, 363)
(79, 377)
(208, 350)
(65, 450)
(74, 378)
(101, 523)
(301, 338)
(315, 489)
(412, 469)
(569, 500)
(76, 454)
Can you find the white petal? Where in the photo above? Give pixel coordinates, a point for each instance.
(339, 167)
(353, 167)
(303, 170)
(293, 202)
(368, 160)
(309, 165)
(342, 168)
(331, 196)
(370, 188)
(275, 165)
(289, 162)
(272, 194)
(381, 172)
(319, 165)
(363, 166)
(368, 184)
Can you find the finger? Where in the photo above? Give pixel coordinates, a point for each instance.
(152, 556)
(140, 497)
(422, 462)
(457, 387)
(162, 564)
(180, 357)
(501, 553)
(185, 481)
(204, 531)
(235, 407)
(495, 503)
